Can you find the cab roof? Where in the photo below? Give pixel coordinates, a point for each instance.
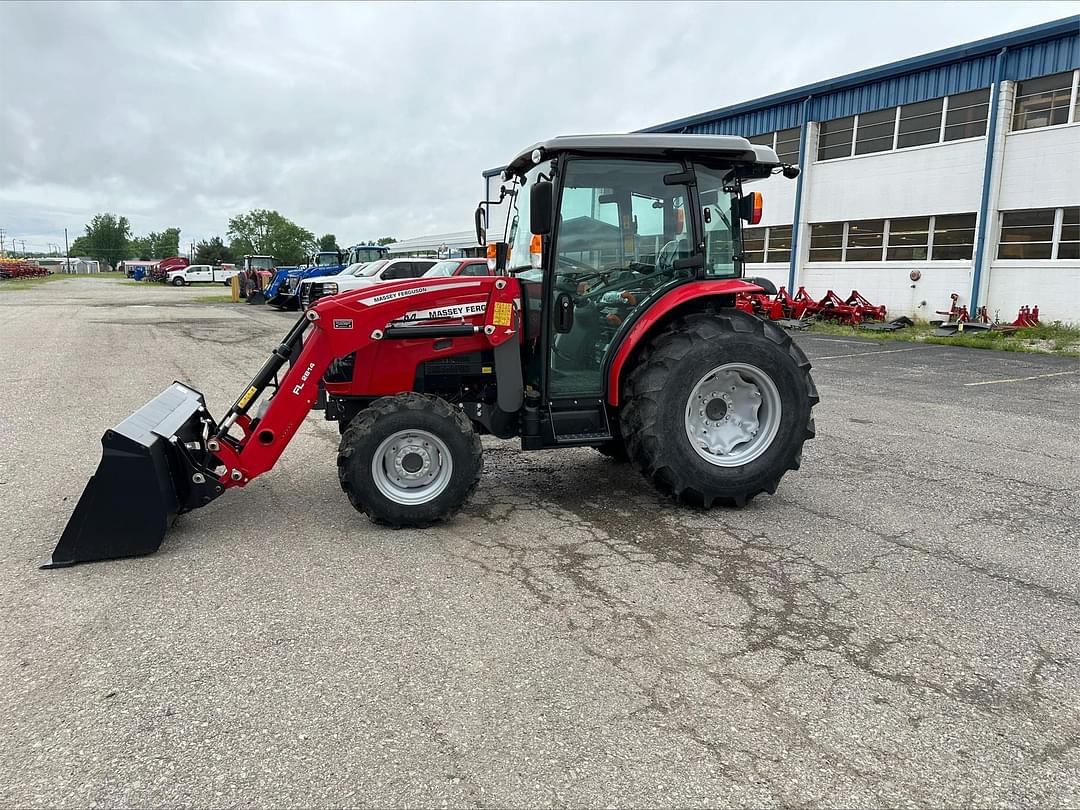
(727, 148)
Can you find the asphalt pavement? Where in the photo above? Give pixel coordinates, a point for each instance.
(899, 625)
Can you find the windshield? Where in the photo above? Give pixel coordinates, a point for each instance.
(327, 259)
(518, 235)
(367, 253)
(372, 268)
(262, 263)
(446, 268)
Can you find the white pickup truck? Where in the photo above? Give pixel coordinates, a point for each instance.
(195, 273)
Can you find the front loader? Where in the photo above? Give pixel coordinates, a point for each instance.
(609, 322)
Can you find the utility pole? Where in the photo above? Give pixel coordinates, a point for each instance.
(67, 254)
(1, 241)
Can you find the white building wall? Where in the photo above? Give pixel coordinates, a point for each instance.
(937, 179)
(920, 181)
(1040, 169)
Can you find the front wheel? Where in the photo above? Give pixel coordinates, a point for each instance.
(409, 460)
(718, 408)
(178, 282)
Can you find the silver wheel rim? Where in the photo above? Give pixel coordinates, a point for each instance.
(733, 414)
(412, 467)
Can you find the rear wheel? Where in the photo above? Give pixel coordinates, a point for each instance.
(718, 408)
(409, 460)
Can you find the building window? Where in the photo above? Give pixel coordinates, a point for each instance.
(834, 138)
(967, 113)
(920, 123)
(753, 242)
(787, 145)
(1043, 102)
(874, 132)
(827, 242)
(1069, 242)
(902, 240)
(1027, 234)
(909, 125)
(767, 244)
(779, 246)
(954, 236)
(908, 239)
(864, 240)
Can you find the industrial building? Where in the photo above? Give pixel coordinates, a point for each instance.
(953, 172)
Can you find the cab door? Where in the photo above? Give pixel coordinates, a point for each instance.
(621, 238)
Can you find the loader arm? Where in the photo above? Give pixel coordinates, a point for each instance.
(171, 456)
(341, 325)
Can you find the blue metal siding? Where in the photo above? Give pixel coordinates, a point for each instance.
(756, 122)
(957, 70)
(1043, 59)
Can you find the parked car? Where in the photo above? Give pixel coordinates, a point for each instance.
(358, 276)
(459, 267)
(196, 273)
(283, 292)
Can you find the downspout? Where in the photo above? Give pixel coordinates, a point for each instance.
(988, 168)
(794, 260)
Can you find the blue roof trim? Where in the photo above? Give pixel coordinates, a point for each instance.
(953, 70)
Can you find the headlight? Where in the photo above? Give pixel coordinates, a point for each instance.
(330, 289)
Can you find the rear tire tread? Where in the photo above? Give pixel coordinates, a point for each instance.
(647, 381)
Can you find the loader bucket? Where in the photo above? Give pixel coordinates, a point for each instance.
(141, 484)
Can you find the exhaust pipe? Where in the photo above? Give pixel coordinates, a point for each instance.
(154, 466)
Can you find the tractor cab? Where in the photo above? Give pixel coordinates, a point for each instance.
(600, 228)
(362, 254)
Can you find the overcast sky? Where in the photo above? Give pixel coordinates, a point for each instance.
(368, 120)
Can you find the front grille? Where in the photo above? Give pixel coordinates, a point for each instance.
(313, 292)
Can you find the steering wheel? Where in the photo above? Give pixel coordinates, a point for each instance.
(665, 259)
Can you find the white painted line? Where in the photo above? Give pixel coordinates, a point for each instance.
(864, 354)
(1025, 379)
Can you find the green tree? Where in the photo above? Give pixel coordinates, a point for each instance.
(386, 240)
(269, 233)
(213, 251)
(328, 242)
(80, 246)
(106, 239)
(165, 244)
(140, 247)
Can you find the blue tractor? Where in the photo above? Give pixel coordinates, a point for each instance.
(283, 290)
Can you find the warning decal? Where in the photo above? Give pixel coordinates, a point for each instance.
(503, 312)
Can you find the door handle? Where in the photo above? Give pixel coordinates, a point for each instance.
(564, 313)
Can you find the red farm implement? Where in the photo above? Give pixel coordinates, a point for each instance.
(1027, 316)
(19, 268)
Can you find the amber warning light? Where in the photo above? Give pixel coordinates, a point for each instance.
(750, 207)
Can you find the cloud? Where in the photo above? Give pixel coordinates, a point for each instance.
(367, 120)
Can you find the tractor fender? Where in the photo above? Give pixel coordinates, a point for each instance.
(658, 312)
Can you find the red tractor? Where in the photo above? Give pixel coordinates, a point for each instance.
(609, 322)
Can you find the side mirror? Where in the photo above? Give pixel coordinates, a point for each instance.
(481, 225)
(540, 201)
